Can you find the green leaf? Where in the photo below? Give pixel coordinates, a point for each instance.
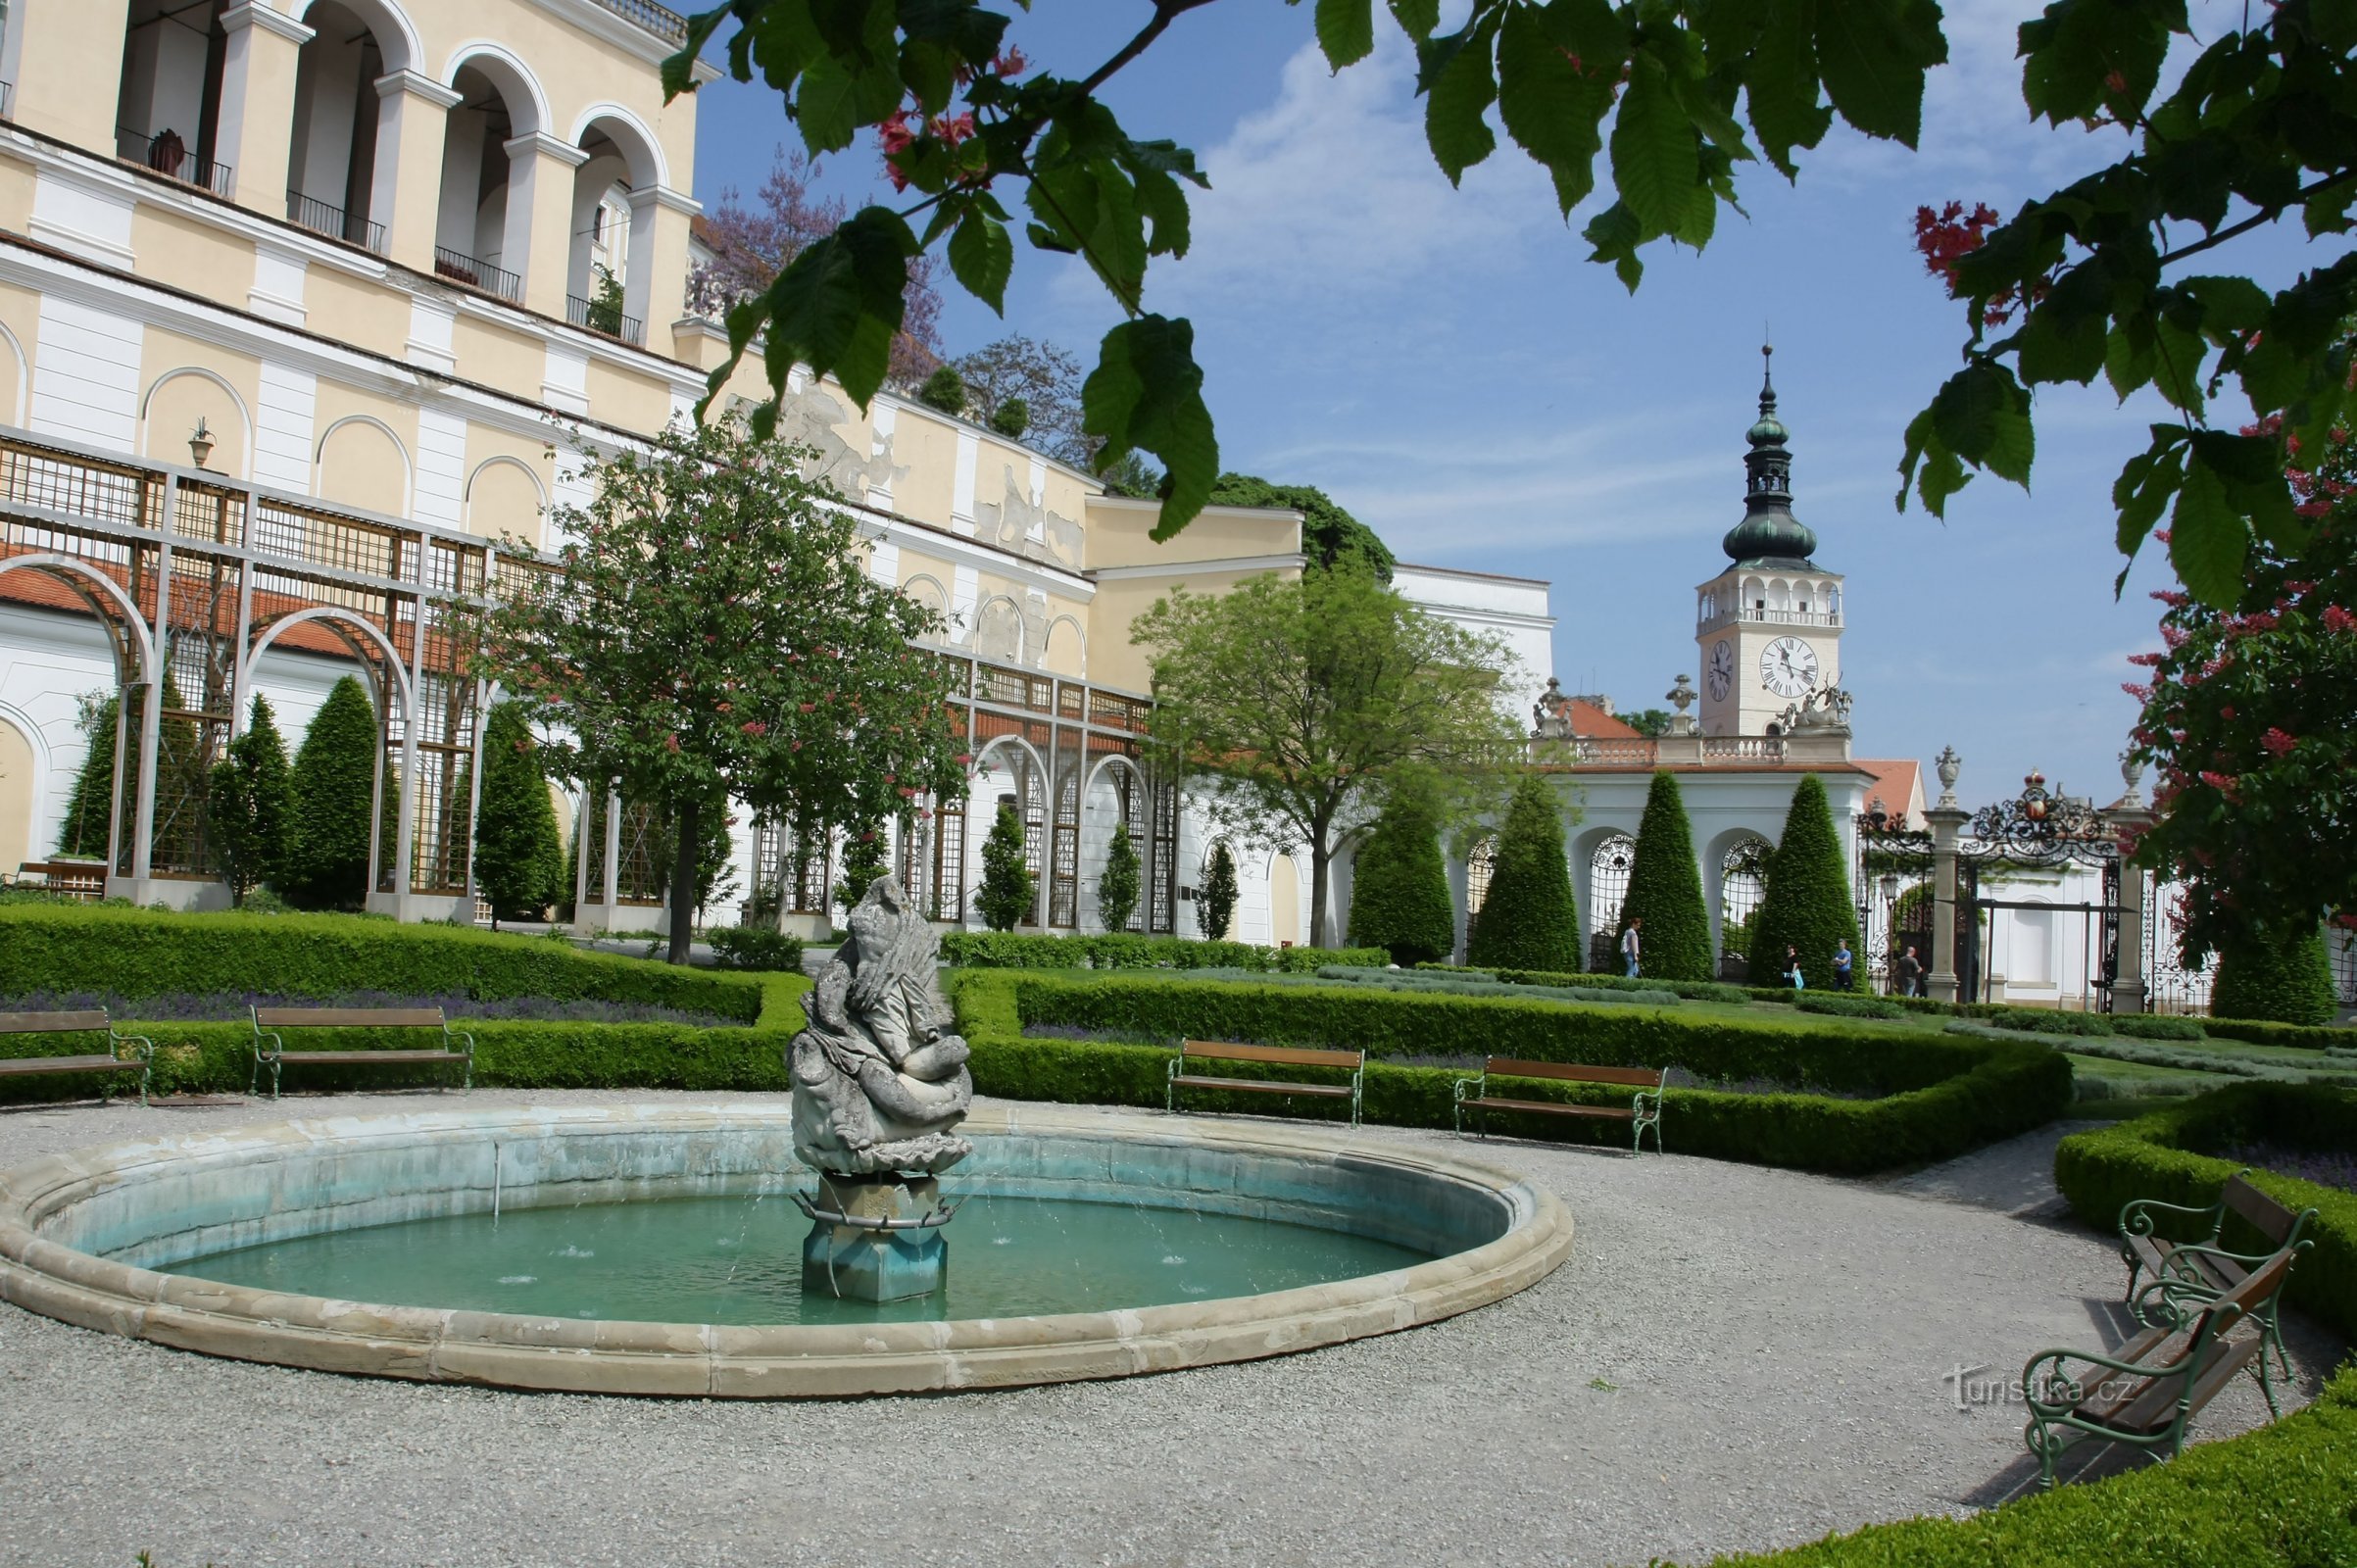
(2127, 354)
(1616, 233)
(982, 256)
(1781, 87)
(837, 307)
(1872, 55)
(1416, 17)
(1550, 108)
(1930, 467)
(2208, 541)
(1982, 416)
(1346, 30)
(2177, 361)
(1655, 163)
(1146, 394)
(2147, 482)
(1461, 93)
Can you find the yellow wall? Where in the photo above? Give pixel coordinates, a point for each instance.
(172, 402)
(365, 461)
(17, 777)
(1120, 529)
(195, 258)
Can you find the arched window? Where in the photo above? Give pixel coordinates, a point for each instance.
(1481, 862)
(1742, 882)
(1607, 890)
(167, 104)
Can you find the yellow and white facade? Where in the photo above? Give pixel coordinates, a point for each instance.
(355, 242)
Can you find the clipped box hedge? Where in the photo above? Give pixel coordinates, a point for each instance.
(2166, 1155)
(2281, 1497)
(2301, 1037)
(1937, 1095)
(1017, 950)
(143, 953)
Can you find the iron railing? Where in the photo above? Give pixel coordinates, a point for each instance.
(461, 268)
(168, 155)
(668, 26)
(606, 318)
(309, 212)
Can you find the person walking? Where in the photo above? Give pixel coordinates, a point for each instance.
(1791, 968)
(1628, 945)
(1910, 974)
(1844, 967)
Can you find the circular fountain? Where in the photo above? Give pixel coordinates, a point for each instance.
(172, 1241)
(649, 1250)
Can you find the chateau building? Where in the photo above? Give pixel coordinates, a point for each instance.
(304, 304)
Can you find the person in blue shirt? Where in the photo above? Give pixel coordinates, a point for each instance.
(1629, 945)
(1844, 967)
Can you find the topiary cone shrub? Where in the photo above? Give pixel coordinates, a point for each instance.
(1118, 887)
(1528, 920)
(251, 802)
(334, 789)
(1807, 901)
(1400, 888)
(519, 858)
(1005, 897)
(1665, 890)
(2285, 982)
(1215, 900)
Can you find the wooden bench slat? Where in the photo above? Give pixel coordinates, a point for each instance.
(1266, 1084)
(372, 1055)
(25, 1064)
(1288, 1055)
(1554, 1106)
(1573, 1073)
(2264, 1214)
(52, 1023)
(349, 1017)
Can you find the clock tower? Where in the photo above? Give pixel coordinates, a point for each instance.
(1768, 628)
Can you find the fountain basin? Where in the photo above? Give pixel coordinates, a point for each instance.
(92, 1238)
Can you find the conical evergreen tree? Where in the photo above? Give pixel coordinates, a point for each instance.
(1665, 890)
(863, 860)
(1005, 897)
(1117, 888)
(2289, 981)
(1400, 888)
(1528, 922)
(85, 832)
(1806, 905)
(251, 806)
(1215, 900)
(518, 853)
(334, 786)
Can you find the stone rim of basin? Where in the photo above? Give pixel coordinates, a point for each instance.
(781, 1362)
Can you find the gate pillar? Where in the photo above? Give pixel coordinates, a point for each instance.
(1946, 819)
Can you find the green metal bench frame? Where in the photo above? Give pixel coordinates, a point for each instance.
(1643, 1114)
(1176, 1076)
(2205, 1269)
(2177, 1370)
(268, 1021)
(89, 1021)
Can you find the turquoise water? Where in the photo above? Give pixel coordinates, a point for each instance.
(738, 1260)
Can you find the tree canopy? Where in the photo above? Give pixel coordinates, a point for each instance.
(1330, 535)
(1297, 699)
(711, 631)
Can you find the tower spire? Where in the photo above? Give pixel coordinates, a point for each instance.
(1769, 532)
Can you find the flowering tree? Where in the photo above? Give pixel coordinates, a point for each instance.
(752, 241)
(2251, 717)
(710, 632)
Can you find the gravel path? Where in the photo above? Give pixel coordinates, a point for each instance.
(1734, 1358)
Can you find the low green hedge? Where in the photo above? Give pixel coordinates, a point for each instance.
(2167, 1155)
(1848, 1005)
(2301, 1037)
(143, 953)
(1934, 1097)
(2281, 1497)
(2156, 1026)
(218, 1059)
(1016, 949)
(1688, 990)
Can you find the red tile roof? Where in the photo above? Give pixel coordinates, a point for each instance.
(1897, 784)
(1593, 722)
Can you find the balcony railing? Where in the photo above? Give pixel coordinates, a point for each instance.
(1646, 751)
(334, 222)
(669, 26)
(461, 268)
(170, 156)
(606, 318)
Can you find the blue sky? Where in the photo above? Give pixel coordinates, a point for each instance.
(1449, 367)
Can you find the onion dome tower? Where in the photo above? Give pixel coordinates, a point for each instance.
(1768, 628)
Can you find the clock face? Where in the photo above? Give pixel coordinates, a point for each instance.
(1787, 667)
(1722, 669)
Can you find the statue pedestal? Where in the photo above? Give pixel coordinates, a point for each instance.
(863, 1262)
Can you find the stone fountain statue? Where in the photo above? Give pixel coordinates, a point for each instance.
(880, 1086)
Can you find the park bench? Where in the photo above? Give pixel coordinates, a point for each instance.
(1353, 1061)
(2204, 1267)
(2159, 1381)
(269, 1049)
(95, 1022)
(1642, 1111)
